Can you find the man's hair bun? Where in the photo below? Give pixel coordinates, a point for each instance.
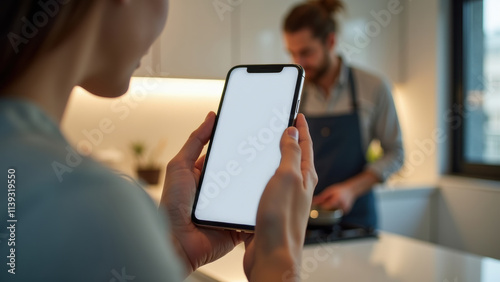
(330, 6)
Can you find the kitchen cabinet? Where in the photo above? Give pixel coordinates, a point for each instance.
(196, 42)
(372, 36)
(260, 37)
(205, 38)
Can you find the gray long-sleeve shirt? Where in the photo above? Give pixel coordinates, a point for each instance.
(378, 116)
(75, 219)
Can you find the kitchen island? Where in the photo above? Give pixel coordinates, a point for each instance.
(388, 258)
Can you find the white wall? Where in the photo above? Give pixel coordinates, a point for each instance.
(416, 97)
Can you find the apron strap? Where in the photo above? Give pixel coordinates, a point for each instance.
(353, 90)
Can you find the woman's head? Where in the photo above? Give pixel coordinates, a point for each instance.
(113, 35)
(310, 30)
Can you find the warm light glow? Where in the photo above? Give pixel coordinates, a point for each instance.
(169, 87)
(314, 214)
(397, 89)
(177, 86)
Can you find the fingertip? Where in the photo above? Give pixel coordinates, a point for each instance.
(301, 121)
(293, 132)
(210, 115)
(209, 122)
(300, 117)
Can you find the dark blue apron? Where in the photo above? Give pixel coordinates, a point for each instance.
(339, 155)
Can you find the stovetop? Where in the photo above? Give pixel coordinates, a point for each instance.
(338, 232)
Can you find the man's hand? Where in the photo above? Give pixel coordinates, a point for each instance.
(343, 195)
(275, 252)
(337, 196)
(196, 246)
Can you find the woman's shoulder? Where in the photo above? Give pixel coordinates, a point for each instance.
(32, 143)
(52, 170)
(79, 210)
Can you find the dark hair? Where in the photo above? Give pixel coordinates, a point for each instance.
(29, 27)
(316, 15)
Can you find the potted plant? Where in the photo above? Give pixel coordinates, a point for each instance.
(147, 167)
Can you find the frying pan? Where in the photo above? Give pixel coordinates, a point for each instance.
(320, 218)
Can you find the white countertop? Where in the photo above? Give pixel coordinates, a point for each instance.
(388, 258)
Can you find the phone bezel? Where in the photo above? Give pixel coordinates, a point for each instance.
(270, 68)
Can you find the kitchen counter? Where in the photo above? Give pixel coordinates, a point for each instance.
(387, 258)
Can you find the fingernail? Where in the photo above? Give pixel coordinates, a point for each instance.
(293, 132)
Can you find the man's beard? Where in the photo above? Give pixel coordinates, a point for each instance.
(323, 68)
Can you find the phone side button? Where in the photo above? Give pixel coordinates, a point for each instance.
(297, 108)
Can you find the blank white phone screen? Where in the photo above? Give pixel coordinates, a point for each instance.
(245, 148)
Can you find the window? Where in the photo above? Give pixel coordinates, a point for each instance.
(476, 88)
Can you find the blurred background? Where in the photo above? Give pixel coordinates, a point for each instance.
(442, 57)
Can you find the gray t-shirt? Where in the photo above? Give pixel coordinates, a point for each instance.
(76, 219)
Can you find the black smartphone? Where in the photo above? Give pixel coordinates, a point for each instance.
(258, 103)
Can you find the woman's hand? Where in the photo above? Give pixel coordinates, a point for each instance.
(197, 246)
(275, 252)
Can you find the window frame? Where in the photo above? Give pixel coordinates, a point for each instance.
(460, 166)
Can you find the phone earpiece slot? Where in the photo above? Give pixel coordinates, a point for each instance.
(265, 69)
